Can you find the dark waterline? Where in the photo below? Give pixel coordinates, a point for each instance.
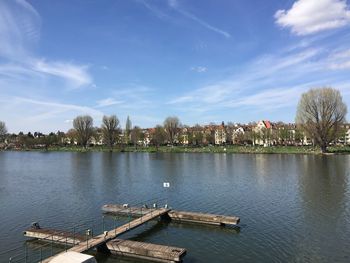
(293, 208)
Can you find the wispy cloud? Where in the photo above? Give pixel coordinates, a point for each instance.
(155, 10)
(339, 60)
(174, 4)
(107, 102)
(199, 69)
(268, 82)
(76, 75)
(56, 107)
(20, 30)
(134, 96)
(43, 114)
(311, 16)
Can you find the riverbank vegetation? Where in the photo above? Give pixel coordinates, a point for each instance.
(229, 149)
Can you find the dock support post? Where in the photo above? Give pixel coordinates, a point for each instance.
(115, 225)
(74, 235)
(52, 245)
(41, 254)
(10, 260)
(103, 224)
(65, 245)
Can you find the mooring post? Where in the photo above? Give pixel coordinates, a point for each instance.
(141, 213)
(10, 260)
(115, 225)
(103, 223)
(87, 238)
(41, 254)
(52, 245)
(65, 245)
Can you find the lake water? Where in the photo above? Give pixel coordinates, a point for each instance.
(293, 208)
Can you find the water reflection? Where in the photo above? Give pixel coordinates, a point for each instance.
(323, 182)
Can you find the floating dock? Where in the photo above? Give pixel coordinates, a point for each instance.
(107, 242)
(127, 248)
(153, 252)
(102, 239)
(181, 216)
(56, 236)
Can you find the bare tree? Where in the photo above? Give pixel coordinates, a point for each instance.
(110, 130)
(84, 128)
(136, 135)
(321, 112)
(3, 130)
(171, 126)
(159, 136)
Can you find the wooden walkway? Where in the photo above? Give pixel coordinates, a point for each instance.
(56, 236)
(102, 239)
(180, 216)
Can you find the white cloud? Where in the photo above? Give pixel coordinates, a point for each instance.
(312, 16)
(199, 69)
(107, 102)
(76, 75)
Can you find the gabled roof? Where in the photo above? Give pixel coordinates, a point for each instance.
(267, 124)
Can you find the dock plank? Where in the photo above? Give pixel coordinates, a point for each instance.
(56, 236)
(148, 251)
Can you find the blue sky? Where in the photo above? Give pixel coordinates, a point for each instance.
(203, 61)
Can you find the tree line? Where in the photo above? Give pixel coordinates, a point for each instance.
(111, 133)
(320, 116)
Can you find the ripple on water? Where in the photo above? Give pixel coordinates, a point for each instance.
(292, 208)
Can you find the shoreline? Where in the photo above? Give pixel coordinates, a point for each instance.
(230, 149)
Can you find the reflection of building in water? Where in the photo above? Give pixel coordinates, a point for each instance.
(262, 169)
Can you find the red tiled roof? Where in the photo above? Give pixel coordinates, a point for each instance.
(267, 124)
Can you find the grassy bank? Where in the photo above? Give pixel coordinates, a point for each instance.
(205, 149)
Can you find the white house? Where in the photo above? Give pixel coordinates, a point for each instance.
(263, 128)
(347, 137)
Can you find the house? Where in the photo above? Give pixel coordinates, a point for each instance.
(237, 134)
(347, 137)
(347, 134)
(220, 134)
(183, 135)
(263, 130)
(146, 138)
